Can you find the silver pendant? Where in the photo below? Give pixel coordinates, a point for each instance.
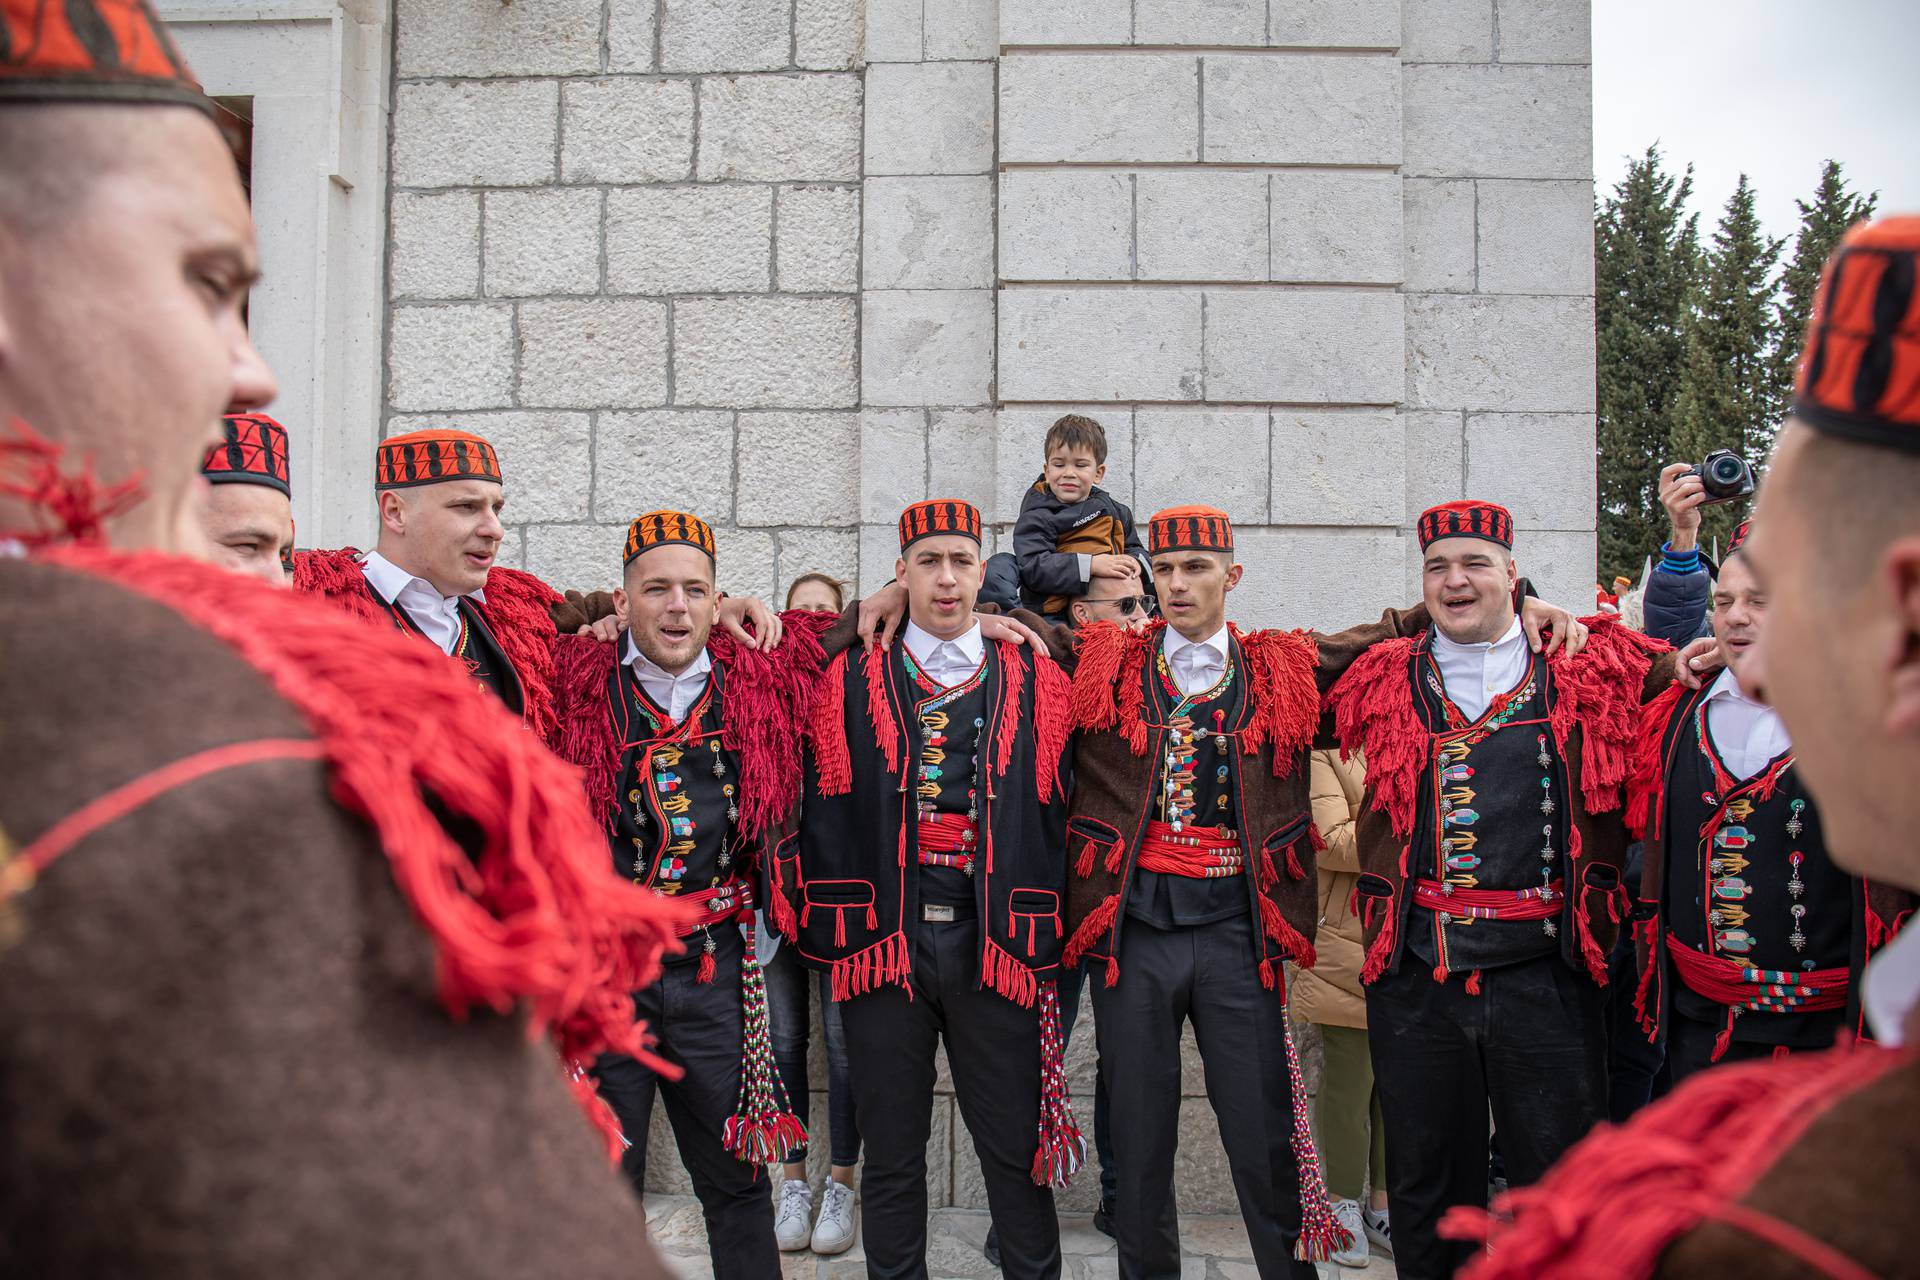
(1546, 804)
(1552, 929)
(1798, 939)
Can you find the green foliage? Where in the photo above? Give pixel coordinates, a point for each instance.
(1822, 223)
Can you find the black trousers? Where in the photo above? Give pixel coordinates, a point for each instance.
(698, 1026)
(1532, 1047)
(1690, 1041)
(1204, 973)
(993, 1048)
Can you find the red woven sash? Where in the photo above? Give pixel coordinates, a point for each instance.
(730, 900)
(1491, 904)
(1200, 853)
(1742, 986)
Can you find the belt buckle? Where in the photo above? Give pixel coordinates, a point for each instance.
(936, 913)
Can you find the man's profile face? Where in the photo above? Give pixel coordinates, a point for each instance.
(126, 252)
(447, 533)
(671, 604)
(1467, 584)
(249, 529)
(942, 576)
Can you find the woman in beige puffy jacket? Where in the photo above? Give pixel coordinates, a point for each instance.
(1347, 1110)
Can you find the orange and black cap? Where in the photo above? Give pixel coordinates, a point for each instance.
(434, 456)
(1485, 520)
(666, 528)
(91, 51)
(937, 517)
(1189, 529)
(254, 452)
(1860, 371)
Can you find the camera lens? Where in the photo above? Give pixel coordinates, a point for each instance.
(1726, 471)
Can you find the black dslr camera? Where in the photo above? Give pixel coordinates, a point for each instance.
(1725, 476)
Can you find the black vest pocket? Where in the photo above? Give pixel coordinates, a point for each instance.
(1091, 841)
(1028, 909)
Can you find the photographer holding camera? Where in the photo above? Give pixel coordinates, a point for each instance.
(1678, 590)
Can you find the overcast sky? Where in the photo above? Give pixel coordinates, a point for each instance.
(1768, 87)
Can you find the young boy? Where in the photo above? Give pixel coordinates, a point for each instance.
(1070, 530)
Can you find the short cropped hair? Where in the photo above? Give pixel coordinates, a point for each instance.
(1077, 431)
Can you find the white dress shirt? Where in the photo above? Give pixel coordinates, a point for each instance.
(1197, 665)
(947, 662)
(1476, 674)
(1746, 734)
(437, 616)
(675, 694)
(1893, 987)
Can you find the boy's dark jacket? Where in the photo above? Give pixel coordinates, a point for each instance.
(1050, 537)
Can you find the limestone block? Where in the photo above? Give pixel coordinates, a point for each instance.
(1338, 467)
(1020, 440)
(1440, 217)
(593, 353)
(674, 458)
(513, 550)
(1340, 227)
(826, 34)
(1100, 344)
(725, 35)
(1536, 237)
(630, 32)
(1499, 122)
(926, 346)
(1216, 456)
(584, 557)
(1200, 22)
(1065, 224)
(545, 457)
(818, 248)
(542, 242)
(1348, 24)
(960, 29)
(1099, 108)
(893, 462)
(960, 455)
(879, 553)
(1540, 466)
(450, 357)
(1024, 22)
(835, 552)
(701, 239)
(894, 31)
(747, 566)
(940, 1147)
(1302, 108)
(793, 469)
(928, 233)
(800, 128)
(1446, 31)
(1544, 30)
(1323, 578)
(1321, 346)
(496, 133)
(929, 118)
(1199, 224)
(627, 131)
(1436, 460)
(435, 245)
(1560, 563)
(765, 352)
(1501, 353)
(486, 38)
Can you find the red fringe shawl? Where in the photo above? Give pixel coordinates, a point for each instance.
(518, 609)
(1646, 781)
(66, 507)
(1622, 1196)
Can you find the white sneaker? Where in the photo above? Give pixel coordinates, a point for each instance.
(1379, 1230)
(833, 1233)
(1347, 1214)
(792, 1214)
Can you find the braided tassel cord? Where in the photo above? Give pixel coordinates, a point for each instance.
(763, 1128)
(1062, 1149)
(1320, 1232)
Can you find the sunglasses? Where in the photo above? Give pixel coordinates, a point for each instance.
(1127, 605)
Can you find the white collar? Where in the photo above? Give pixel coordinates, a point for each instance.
(1893, 987)
(1514, 634)
(1726, 685)
(921, 643)
(389, 579)
(646, 667)
(1172, 642)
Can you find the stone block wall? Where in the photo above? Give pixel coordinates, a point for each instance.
(792, 264)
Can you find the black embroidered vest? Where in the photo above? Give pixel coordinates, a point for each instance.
(945, 735)
(1493, 815)
(1195, 789)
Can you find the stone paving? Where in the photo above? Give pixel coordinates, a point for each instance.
(1214, 1248)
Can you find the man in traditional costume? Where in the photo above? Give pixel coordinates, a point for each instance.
(1752, 941)
(1492, 846)
(1799, 1166)
(248, 509)
(927, 879)
(691, 746)
(234, 919)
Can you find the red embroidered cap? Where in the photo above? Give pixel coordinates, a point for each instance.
(938, 516)
(91, 51)
(432, 456)
(1860, 370)
(1189, 529)
(663, 528)
(255, 452)
(1467, 519)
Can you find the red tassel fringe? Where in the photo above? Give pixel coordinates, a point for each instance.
(1284, 693)
(1380, 953)
(1000, 971)
(1061, 1151)
(519, 611)
(888, 960)
(1007, 725)
(1646, 783)
(766, 707)
(1052, 721)
(1373, 712)
(880, 708)
(1097, 925)
(70, 508)
(828, 734)
(1599, 689)
(1297, 948)
(583, 732)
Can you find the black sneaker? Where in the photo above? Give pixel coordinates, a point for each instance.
(1103, 1218)
(992, 1249)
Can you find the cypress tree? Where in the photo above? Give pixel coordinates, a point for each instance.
(1822, 223)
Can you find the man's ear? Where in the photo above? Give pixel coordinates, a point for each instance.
(1513, 571)
(620, 601)
(900, 570)
(1234, 571)
(1899, 578)
(393, 511)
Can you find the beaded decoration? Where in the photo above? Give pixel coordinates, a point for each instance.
(1062, 1149)
(762, 1128)
(934, 723)
(1176, 786)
